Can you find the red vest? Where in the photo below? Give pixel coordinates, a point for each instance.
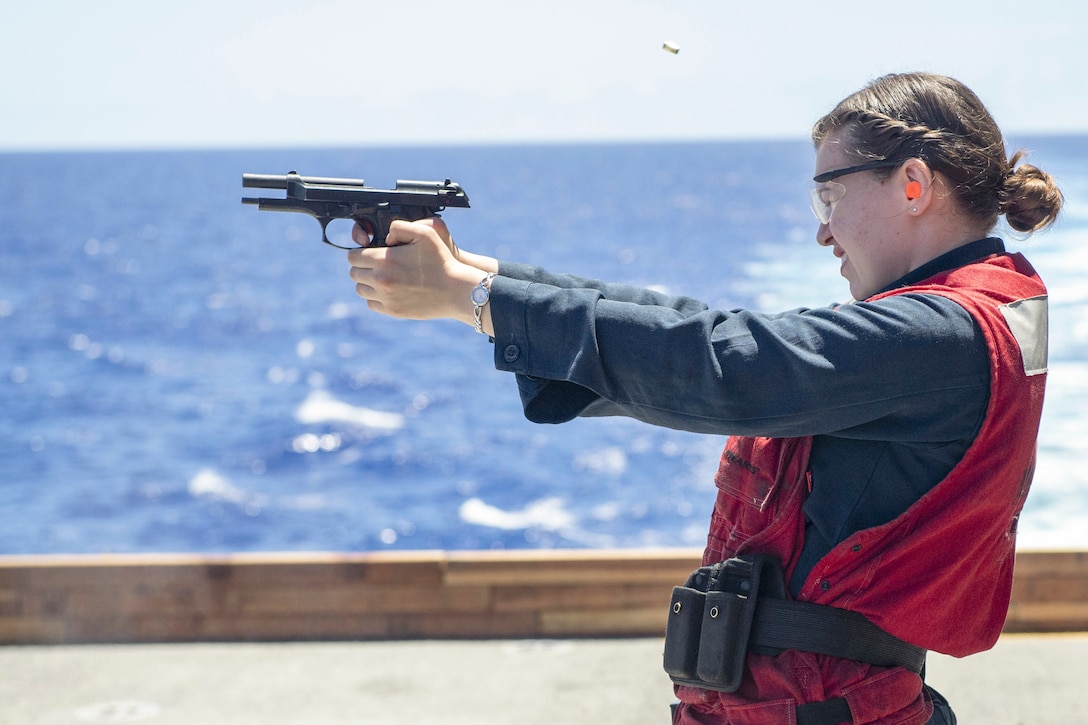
(939, 575)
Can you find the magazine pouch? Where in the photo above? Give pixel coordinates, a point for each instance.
(706, 639)
(684, 625)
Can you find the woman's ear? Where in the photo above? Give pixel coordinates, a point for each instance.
(917, 185)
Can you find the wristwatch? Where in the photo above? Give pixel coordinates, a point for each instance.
(480, 295)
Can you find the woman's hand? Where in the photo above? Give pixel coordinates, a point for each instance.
(418, 275)
(360, 236)
(410, 277)
(484, 264)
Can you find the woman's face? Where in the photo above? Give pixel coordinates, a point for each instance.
(865, 229)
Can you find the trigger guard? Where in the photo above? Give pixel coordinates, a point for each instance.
(325, 222)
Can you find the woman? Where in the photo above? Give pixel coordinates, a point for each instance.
(880, 451)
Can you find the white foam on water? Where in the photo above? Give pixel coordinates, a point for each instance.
(320, 407)
(208, 482)
(548, 514)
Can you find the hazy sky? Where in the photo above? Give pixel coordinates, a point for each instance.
(115, 74)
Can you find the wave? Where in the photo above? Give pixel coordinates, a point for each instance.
(320, 407)
(547, 514)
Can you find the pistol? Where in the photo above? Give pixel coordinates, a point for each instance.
(328, 199)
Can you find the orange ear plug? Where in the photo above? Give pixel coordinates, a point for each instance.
(914, 190)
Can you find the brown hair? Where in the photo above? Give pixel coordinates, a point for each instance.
(942, 122)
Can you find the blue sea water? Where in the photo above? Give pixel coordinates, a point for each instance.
(179, 372)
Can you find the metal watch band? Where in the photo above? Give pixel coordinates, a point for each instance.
(480, 296)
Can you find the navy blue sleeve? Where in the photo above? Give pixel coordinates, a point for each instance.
(607, 290)
(887, 370)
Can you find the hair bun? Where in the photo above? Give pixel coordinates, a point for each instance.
(1030, 199)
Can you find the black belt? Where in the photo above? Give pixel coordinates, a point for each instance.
(829, 712)
(781, 624)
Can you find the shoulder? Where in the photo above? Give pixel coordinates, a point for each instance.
(911, 336)
(910, 318)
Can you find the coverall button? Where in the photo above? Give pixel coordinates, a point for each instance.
(511, 353)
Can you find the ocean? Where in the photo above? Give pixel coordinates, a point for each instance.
(182, 373)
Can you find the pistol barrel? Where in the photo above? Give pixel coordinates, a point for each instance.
(279, 181)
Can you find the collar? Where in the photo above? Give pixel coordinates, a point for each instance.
(958, 257)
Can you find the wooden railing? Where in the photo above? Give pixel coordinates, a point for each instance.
(1049, 593)
(403, 595)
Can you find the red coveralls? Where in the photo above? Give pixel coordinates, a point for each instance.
(938, 576)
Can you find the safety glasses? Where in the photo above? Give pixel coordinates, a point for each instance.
(825, 193)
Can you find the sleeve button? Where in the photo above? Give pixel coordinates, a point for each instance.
(511, 353)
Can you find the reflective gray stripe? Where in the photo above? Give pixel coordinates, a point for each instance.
(1027, 319)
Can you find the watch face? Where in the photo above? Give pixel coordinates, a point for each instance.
(480, 295)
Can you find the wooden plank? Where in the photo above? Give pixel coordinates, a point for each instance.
(32, 630)
(537, 568)
(1051, 563)
(134, 598)
(478, 625)
(549, 597)
(315, 568)
(598, 623)
(1047, 617)
(390, 599)
(197, 628)
(1055, 589)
